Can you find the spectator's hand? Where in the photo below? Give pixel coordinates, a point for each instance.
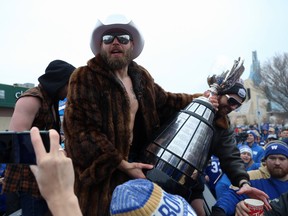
(134, 170)
(54, 171)
(54, 174)
(242, 209)
(256, 194)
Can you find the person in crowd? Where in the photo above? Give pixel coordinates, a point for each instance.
(143, 197)
(38, 107)
(213, 173)
(271, 131)
(276, 159)
(257, 150)
(284, 132)
(271, 137)
(226, 105)
(246, 155)
(113, 109)
(258, 136)
(264, 133)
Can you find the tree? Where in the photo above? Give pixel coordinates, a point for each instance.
(274, 81)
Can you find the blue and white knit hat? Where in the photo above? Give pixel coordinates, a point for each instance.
(276, 147)
(253, 133)
(245, 148)
(142, 197)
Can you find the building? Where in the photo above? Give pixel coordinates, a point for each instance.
(254, 109)
(257, 109)
(8, 97)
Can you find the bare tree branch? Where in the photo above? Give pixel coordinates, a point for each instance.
(274, 80)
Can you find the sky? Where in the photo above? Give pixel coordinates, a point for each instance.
(185, 41)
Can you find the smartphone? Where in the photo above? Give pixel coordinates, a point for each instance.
(17, 148)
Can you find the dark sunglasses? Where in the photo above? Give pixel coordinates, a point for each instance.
(123, 39)
(232, 101)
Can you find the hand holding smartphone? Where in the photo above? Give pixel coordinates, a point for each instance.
(16, 147)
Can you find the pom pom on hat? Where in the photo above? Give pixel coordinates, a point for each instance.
(142, 197)
(276, 147)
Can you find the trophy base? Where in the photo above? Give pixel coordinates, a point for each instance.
(168, 184)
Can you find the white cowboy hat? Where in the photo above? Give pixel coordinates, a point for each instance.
(117, 21)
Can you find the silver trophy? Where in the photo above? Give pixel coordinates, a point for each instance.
(182, 145)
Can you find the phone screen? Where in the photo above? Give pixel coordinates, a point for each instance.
(17, 148)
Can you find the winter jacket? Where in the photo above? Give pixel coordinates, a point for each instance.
(225, 148)
(279, 206)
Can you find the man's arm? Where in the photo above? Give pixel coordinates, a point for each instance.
(227, 203)
(26, 109)
(134, 170)
(279, 206)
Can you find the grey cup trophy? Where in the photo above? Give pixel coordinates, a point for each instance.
(182, 145)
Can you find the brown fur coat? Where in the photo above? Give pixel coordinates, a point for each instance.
(96, 127)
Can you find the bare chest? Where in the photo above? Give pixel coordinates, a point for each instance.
(132, 97)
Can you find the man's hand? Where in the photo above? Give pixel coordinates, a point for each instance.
(256, 194)
(134, 170)
(213, 99)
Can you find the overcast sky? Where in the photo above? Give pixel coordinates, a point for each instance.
(185, 40)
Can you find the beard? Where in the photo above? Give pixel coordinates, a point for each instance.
(224, 110)
(277, 172)
(117, 63)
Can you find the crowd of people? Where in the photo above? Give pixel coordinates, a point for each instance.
(113, 109)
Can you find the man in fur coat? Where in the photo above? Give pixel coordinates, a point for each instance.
(113, 108)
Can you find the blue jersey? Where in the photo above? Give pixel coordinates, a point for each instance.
(213, 170)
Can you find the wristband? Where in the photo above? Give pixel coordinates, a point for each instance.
(245, 182)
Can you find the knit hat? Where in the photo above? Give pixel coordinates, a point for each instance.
(265, 127)
(256, 133)
(238, 89)
(272, 136)
(252, 132)
(276, 147)
(57, 75)
(141, 197)
(245, 148)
